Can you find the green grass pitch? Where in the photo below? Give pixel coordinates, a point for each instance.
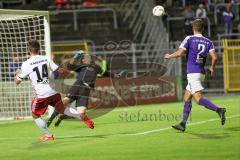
(141, 133)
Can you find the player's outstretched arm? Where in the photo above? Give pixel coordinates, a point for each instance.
(58, 71)
(61, 72)
(180, 52)
(214, 57)
(17, 81)
(21, 73)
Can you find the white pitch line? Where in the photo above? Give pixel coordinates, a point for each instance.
(132, 134)
(191, 124)
(14, 122)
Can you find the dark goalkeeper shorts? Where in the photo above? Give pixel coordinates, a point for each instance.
(79, 93)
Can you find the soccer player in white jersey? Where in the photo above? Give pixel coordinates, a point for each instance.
(37, 68)
(197, 48)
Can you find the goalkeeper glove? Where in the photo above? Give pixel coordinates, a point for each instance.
(122, 74)
(79, 54)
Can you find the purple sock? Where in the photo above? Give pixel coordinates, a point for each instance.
(186, 110)
(208, 104)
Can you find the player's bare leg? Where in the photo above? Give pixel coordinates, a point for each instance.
(43, 127)
(186, 111)
(209, 105)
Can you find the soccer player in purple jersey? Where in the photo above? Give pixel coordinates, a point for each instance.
(196, 48)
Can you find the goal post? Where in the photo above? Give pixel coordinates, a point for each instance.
(17, 27)
(231, 64)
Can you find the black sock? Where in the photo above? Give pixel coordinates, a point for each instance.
(183, 124)
(55, 113)
(218, 110)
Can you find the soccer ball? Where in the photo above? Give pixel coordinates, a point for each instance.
(158, 11)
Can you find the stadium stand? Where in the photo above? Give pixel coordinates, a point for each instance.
(214, 15)
(13, 2)
(97, 22)
(114, 20)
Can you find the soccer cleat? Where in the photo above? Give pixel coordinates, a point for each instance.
(89, 123)
(221, 112)
(180, 127)
(46, 138)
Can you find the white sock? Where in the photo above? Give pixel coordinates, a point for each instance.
(71, 112)
(42, 126)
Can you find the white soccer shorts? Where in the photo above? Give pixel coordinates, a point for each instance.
(195, 82)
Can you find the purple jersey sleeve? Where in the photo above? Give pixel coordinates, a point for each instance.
(184, 44)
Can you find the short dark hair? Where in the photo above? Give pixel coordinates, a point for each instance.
(33, 46)
(198, 25)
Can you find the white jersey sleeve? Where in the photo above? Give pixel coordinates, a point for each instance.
(53, 66)
(25, 71)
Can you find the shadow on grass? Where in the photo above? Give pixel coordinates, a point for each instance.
(63, 140)
(210, 135)
(43, 145)
(91, 136)
(236, 129)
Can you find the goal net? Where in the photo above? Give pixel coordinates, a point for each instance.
(17, 27)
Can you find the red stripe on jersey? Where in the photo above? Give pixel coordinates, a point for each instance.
(33, 105)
